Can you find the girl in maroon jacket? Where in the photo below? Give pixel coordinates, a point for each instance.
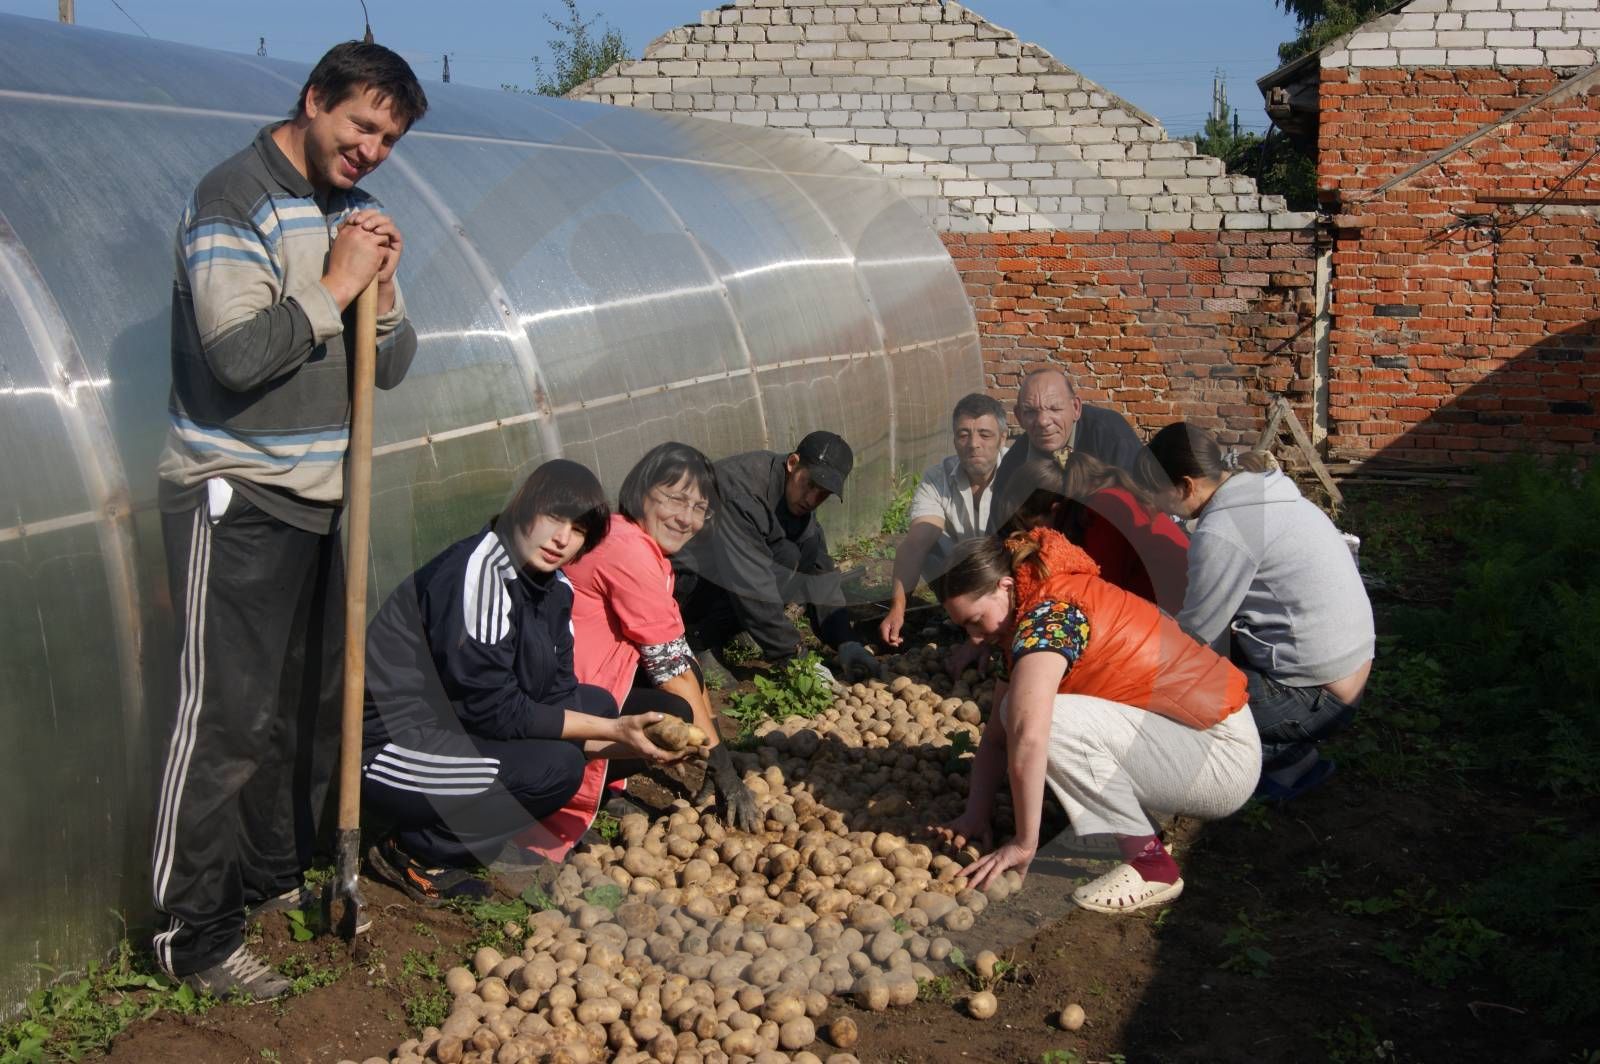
(1101, 509)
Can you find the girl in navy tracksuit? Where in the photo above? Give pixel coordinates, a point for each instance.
(474, 725)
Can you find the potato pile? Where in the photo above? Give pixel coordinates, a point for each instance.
(720, 946)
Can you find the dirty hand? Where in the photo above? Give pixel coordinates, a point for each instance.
(967, 828)
(986, 869)
(889, 628)
(739, 809)
(630, 735)
(964, 656)
(855, 659)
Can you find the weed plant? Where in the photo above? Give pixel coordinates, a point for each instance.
(1497, 690)
(75, 1017)
(797, 691)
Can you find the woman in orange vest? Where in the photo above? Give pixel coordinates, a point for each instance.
(1104, 697)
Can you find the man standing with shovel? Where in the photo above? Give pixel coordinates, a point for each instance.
(273, 250)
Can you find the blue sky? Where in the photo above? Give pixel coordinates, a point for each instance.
(1159, 54)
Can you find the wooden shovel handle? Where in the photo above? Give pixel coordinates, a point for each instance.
(358, 522)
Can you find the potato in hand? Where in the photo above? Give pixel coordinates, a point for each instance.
(674, 735)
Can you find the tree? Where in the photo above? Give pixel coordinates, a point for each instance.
(1323, 20)
(1278, 167)
(577, 55)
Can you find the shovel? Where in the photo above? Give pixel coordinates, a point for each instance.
(346, 884)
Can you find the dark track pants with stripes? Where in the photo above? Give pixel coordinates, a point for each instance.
(259, 606)
(454, 799)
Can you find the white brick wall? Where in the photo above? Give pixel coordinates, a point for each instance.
(1478, 33)
(983, 131)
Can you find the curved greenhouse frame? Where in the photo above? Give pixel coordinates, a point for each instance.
(585, 281)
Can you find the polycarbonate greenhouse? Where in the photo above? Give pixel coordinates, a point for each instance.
(586, 281)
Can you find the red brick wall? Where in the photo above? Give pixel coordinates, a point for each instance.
(1458, 340)
(1163, 326)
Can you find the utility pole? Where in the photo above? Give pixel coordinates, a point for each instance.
(1219, 96)
(65, 12)
(261, 49)
(447, 68)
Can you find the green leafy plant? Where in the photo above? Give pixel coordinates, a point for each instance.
(489, 918)
(300, 928)
(306, 972)
(1248, 956)
(1256, 815)
(897, 515)
(606, 895)
(1060, 1056)
(938, 989)
(537, 898)
(796, 692)
(428, 1002)
(607, 826)
(319, 876)
(1356, 1040)
(961, 744)
(74, 1017)
(741, 650)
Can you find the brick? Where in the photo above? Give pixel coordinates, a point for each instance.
(1558, 39)
(1422, 57)
(1536, 20)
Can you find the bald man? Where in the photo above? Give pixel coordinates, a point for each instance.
(1054, 418)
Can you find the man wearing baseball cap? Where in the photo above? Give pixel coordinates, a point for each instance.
(763, 549)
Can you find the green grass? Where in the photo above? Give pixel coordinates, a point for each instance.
(896, 515)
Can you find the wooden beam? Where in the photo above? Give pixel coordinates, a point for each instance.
(1303, 441)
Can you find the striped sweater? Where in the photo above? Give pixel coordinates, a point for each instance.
(260, 382)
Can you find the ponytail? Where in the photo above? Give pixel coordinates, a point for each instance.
(1024, 550)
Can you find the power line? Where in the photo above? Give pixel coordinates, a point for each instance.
(130, 18)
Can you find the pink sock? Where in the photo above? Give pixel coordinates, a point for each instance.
(1149, 858)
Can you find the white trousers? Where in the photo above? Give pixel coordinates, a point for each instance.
(1112, 766)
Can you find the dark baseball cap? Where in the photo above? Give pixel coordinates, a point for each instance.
(827, 458)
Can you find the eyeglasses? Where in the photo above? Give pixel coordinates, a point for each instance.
(672, 505)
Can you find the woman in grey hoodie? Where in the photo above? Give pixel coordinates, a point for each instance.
(1271, 583)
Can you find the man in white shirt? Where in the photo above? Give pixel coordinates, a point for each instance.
(952, 503)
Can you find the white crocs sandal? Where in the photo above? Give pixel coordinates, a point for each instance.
(1124, 890)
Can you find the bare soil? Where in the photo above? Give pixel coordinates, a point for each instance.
(1155, 987)
(1259, 960)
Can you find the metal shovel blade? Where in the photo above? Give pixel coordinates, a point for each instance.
(343, 907)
